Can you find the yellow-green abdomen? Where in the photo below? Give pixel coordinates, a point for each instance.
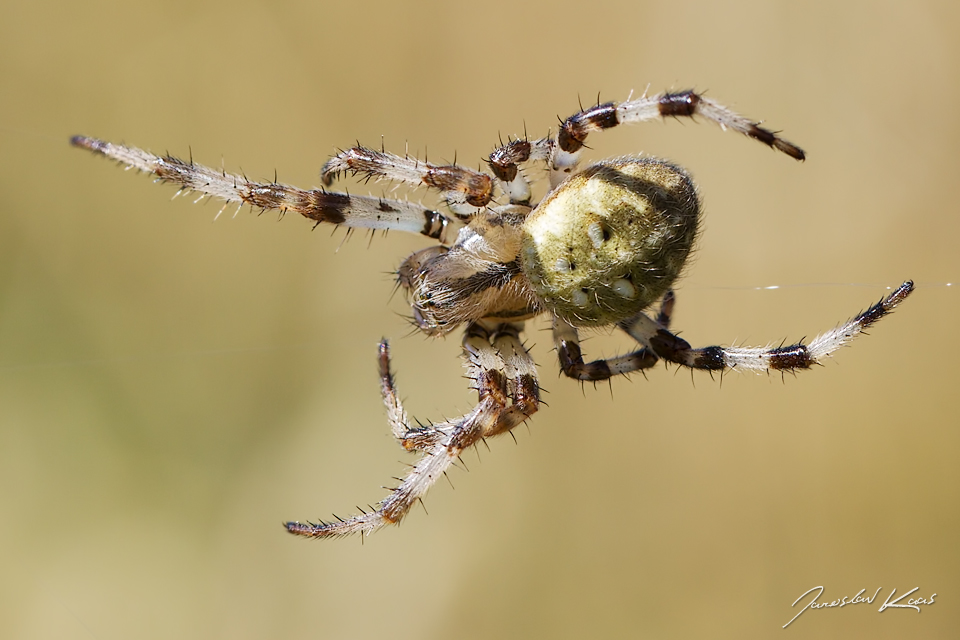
(611, 240)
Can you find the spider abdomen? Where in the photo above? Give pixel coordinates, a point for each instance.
(611, 240)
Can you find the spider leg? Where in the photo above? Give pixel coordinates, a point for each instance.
(505, 163)
(787, 358)
(521, 372)
(335, 208)
(504, 376)
(464, 190)
(571, 357)
(667, 303)
(574, 130)
(412, 438)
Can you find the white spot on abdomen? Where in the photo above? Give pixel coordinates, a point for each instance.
(595, 231)
(624, 288)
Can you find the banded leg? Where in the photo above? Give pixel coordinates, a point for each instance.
(571, 358)
(464, 190)
(506, 161)
(363, 212)
(574, 130)
(789, 358)
(504, 376)
(521, 372)
(418, 438)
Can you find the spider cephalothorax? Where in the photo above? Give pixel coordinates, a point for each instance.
(600, 249)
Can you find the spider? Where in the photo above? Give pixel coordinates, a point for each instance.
(603, 247)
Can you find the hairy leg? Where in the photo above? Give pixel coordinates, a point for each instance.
(789, 358)
(363, 212)
(505, 379)
(507, 162)
(464, 190)
(571, 357)
(689, 104)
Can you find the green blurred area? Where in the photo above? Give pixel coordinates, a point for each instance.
(171, 390)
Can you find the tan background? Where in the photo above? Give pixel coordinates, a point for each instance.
(171, 390)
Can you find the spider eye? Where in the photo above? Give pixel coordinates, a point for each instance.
(611, 240)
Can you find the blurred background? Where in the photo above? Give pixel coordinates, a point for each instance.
(173, 389)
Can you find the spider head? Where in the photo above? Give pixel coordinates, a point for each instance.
(611, 240)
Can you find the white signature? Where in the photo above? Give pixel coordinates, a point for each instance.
(912, 603)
